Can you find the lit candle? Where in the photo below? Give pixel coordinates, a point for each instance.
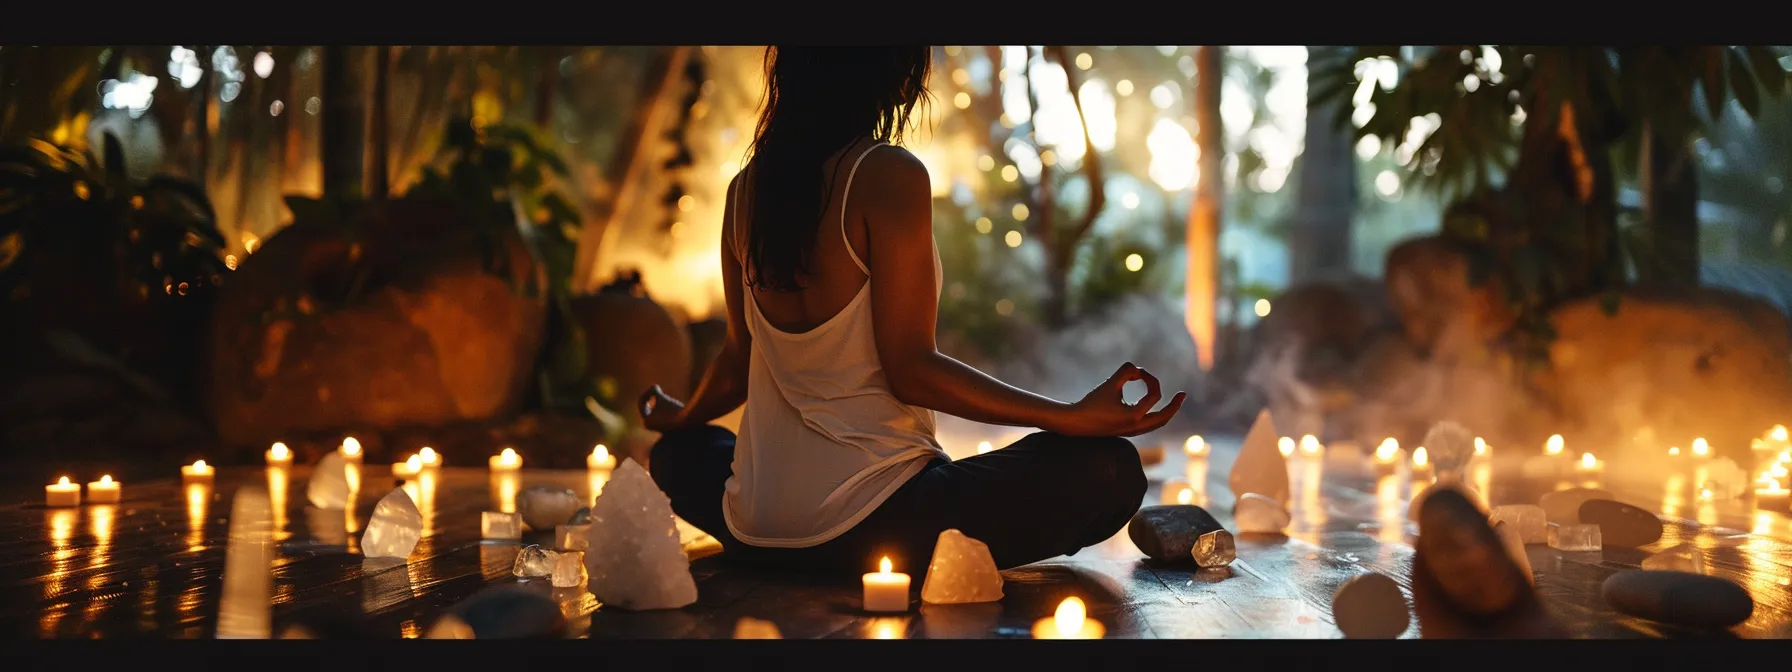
(1480, 447)
(62, 493)
(1778, 433)
(279, 455)
(507, 460)
(429, 458)
(1185, 496)
(408, 468)
(886, 590)
(351, 450)
(600, 458)
(1071, 621)
(1589, 464)
(197, 471)
(1286, 445)
(1771, 495)
(1700, 448)
(1554, 445)
(1195, 446)
(1310, 447)
(984, 447)
(1421, 461)
(1387, 456)
(103, 491)
(1673, 451)
(1785, 457)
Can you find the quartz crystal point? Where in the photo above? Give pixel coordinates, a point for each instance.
(569, 569)
(243, 609)
(962, 571)
(1215, 549)
(533, 562)
(1257, 514)
(635, 560)
(542, 508)
(328, 486)
(1682, 558)
(395, 527)
(1575, 538)
(1450, 446)
(500, 526)
(1260, 467)
(1529, 522)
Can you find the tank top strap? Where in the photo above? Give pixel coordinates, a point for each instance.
(844, 194)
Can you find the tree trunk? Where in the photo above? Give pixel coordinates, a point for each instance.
(1319, 239)
(345, 123)
(378, 163)
(599, 236)
(1201, 309)
(1670, 210)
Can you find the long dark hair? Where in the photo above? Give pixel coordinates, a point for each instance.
(818, 100)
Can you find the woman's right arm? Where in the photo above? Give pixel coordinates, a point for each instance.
(905, 308)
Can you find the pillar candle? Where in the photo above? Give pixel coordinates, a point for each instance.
(103, 491)
(279, 455)
(600, 458)
(507, 461)
(886, 590)
(197, 471)
(408, 468)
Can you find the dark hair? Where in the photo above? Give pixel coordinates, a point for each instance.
(817, 101)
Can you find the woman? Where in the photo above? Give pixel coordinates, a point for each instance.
(832, 284)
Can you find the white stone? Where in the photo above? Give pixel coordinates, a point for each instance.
(1531, 523)
(753, 628)
(569, 569)
(572, 537)
(542, 508)
(1681, 558)
(244, 608)
(1513, 541)
(1257, 514)
(395, 527)
(962, 571)
(635, 559)
(328, 486)
(500, 526)
(1370, 606)
(1260, 467)
(1449, 446)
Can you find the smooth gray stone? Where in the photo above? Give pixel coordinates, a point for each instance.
(1562, 507)
(1678, 598)
(1621, 524)
(512, 612)
(1168, 532)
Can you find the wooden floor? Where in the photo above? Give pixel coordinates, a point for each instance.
(151, 566)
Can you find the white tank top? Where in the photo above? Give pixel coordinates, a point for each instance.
(822, 441)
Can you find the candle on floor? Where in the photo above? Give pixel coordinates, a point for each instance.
(1421, 461)
(1070, 621)
(351, 450)
(429, 458)
(62, 493)
(1701, 448)
(1554, 445)
(103, 491)
(1387, 456)
(1589, 464)
(1673, 451)
(408, 468)
(1195, 446)
(507, 460)
(1310, 446)
(197, 471)
(1286, 445)
(1771, 495)
(885, 590)
(279, 455)
(1480, 447)
(984, 447)
(600, 458)
(1779, 433)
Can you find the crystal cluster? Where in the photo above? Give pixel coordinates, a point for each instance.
(568, 570)
(635, 559)
(1260, 467)
(395, 527)
(1450, 446)
(962, 571)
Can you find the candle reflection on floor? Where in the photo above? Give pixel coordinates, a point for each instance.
(887, 627)
(199, 494)
(1390, 509)
(278, 481)
(505, 484)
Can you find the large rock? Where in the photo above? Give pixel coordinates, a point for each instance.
(435, 336)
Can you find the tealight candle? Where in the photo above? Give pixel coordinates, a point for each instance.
(1070, 621)
(1771, 495)
(1589, 464)
(886, 590)
(1387, 456)
(1195, 446)
(1421, 460)
(279, 455)
(103, 491)
(600, 458)
(429, 458)
(1480, 447)
(197, 471)
(507, 461)
(1701, 448)
(408, 468)
(62, 493)
(1554, 445)
(1673, 451)
(351, 450)
(1779, 433)
(1310, 447)
(984, 447)
(1286, 445)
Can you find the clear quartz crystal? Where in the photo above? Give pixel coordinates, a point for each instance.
(569, 569)
(394, 529)
(635, 560)
(572, 537)
(1574, 538)
(500, 526)
(533, 562)
(1215, 549)
(1449, 446)
(1531, 523)
(1257, 514)
(1682, 558)
(962, 571)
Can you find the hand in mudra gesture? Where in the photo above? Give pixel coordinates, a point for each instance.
(659, 411)
(1104, 411)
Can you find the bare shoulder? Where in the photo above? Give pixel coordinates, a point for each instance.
(893, 177)
(896, 163)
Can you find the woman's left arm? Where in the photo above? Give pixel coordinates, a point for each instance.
(724, 385)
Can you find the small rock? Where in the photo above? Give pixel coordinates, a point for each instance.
(1168, 532)
(1530, 522)
(962, 572)
(394, 529)
(1563, 506)
(542, 508)
(1215, 549)
(1370, 606)
(1257, 514)
(511, 612)
(1678, 598)
(1621, 524)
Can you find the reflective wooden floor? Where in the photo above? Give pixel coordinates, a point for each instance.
(151, 566)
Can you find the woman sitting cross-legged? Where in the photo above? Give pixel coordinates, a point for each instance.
(832, 284)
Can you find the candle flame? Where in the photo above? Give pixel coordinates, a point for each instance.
(1778, 433)
(1070, 615)
(601, 452)
(883, 566)
(1185, 496)
(199, 465)
(351, 446)
(281, 451)
(1480, 446)
(1587, 460)
(106, 478)
(428, 454)
(1286, 445)
(1554, 445)
(414, 464)
(1309, 445)
(1785, 456)
(1700, 447)
(63, 481)
(1419, 458)
(1770, 484)
(1385, 452)
(1195, 445)
(508, 455)
(1673, 450)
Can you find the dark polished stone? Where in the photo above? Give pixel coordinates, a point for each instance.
(1168, 532)
(1679, 598)
(1621, 524)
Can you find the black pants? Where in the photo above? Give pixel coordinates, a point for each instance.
(1044, 496)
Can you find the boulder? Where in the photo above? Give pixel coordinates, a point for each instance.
(445, 327)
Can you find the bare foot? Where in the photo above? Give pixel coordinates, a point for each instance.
(1463, 584)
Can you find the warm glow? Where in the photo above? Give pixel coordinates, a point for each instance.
(1070, 616)
(1195, 446)
(1587, 461)
(1286, 445)
(1777, 470)
(63, 481)
(1185, 496)
(1554, 445)
(884, 566)
(1387, 450)
(1700, 447)
(1785, 456)
(1262, 307)
(428, 455)
(280, 451)
(508, 455)
(199, 465)
(1134, 262)
(351, 446)
(1419, 458)
(414, 464)
(984, 447)
(1309, 445)
(107, 479)
(1673, 450)
(1778, 433)
(1480, 446)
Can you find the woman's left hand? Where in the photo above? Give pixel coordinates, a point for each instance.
(659, 411)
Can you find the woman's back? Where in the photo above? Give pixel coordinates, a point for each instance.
(822, 441)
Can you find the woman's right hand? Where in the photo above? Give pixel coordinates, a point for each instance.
(1104, 411)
